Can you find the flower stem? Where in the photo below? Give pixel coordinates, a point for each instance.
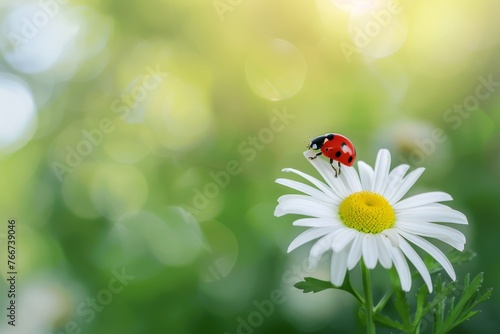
(383, 301)
(367, 287)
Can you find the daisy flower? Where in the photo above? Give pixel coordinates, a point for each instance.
(365, 217)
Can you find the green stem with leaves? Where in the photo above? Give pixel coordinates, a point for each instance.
(367, 287)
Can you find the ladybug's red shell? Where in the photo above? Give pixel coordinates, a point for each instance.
(339, 149)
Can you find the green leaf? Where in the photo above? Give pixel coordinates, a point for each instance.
(311, 284)
(388, 322)
(455, 257)
(458, 257)
(451, 304)
(457, 313)
(421, 299)
(403, 308)
(383, 301)
(442, 290)
(394, 279)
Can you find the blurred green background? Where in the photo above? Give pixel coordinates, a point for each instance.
(140, 141)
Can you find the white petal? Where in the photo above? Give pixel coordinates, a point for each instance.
(405, 185)
(318, 249)
(303, 205)
(317, 222)
(370, 251)
(338, 267)
(306, 189)
(422, 199)
(433, 251)
(302, 198)
(343, 237)
(446, 234)
(433, 213)
(392, 236)
(351, 179)
(402, 268)
(320, 185)
(417, 262)
(326, 171)
(355, 254)
(381, 172)
(365, 175)
(384, 252)
(308, 235)
(394, 180)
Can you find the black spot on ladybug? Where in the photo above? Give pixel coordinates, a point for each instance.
(338, 153)
(343, 144)
(349, 160)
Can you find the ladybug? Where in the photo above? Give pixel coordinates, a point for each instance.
(336, 147)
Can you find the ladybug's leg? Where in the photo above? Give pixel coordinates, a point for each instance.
(331, 164)
(315, 156)
(339, 167)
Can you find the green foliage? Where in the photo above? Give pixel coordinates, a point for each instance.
(448, 306)
(311, 284)
(451, 304)
(464, 308)
(403, 308)
(455, 257)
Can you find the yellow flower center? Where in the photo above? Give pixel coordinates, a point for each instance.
(367, 212)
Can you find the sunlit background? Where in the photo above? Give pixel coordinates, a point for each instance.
(140, 141)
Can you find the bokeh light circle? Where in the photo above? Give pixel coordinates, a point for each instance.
(179, 241)
(55, 40)
(146, 241)
(276, 70)
(45, 303)
(76, 191)
(470, 23)
(416, 143)
(18, 118)
(179, 113)
(380, 31)
(85, 55)
(118, 190)
(129, 143)
(221, 251)
(355, 6)
(33, 40)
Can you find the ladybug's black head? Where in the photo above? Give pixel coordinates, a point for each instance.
(318, 142)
